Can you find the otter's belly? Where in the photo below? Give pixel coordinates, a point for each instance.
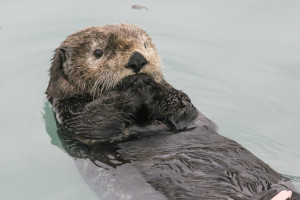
(200, 164)
(195, 164)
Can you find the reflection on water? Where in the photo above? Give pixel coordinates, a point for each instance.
(237, 60)
(50, 126)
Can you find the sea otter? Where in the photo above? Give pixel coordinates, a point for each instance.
(106, 89)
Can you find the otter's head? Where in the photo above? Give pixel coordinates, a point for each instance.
(96, 59)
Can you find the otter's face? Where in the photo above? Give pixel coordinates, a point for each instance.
(98, 58)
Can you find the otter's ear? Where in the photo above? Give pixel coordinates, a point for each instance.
(62, 54)
(59, 58)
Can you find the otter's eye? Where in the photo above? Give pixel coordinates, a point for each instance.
(98, 53)
(145, 45)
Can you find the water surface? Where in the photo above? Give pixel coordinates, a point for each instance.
(237, 60)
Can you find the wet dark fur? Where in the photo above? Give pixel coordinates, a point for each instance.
(193, 164)
(138, 104)
(157, 129)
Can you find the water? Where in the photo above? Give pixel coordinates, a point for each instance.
(237, 60)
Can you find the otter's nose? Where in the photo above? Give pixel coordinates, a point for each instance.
(136, 62)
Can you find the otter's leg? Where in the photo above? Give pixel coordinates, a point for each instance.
(103, 120)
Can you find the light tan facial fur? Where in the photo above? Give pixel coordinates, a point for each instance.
(75, 70)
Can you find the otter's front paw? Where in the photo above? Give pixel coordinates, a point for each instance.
(183, 117)
(128, 83)
(170, 104)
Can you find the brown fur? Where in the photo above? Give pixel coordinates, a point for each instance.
(82, 73)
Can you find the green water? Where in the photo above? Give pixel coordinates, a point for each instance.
(239, 61)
